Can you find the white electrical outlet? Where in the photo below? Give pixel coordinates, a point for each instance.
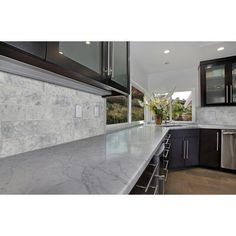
(96, 111)
(78, 111)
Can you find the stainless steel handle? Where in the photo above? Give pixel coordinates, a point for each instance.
(217, 141)
(227, 93)
(184, 149)
(187, 149)
(231, 93)
(109, 58)
(167, 146)
(112, 59)
(166, 152)
(166, 165)
(150, 180)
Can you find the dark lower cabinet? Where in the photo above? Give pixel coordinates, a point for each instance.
(184, 148)
(210, 148)
(177, 153)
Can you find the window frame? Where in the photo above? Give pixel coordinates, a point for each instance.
(193, 109)
(130, 123)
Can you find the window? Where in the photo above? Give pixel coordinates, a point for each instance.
(137, 110)
(181, 106)
(117, 109)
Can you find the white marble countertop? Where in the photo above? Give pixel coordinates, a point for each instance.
(200, 126)
(106, 164)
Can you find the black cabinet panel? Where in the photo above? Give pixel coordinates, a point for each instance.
(217, 82)
(176, 154)
(86, 62)
(184, 148)
(37, 49)
(92, 62)
(192, 155)
(210, 148)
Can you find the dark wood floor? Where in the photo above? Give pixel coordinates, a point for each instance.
(200, 181)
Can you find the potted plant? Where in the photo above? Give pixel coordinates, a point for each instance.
(158, 105)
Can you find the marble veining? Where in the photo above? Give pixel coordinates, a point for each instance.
(105, 164)
(35, 115)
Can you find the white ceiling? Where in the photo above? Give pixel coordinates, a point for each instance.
(183, 55)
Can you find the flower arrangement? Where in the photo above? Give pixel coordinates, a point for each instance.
(158, 105)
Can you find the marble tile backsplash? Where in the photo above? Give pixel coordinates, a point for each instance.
(216, 115)
(36, 114)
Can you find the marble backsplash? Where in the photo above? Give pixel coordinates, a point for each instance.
(216, 115)
(36, 114)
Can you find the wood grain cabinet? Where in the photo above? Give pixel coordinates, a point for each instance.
(210, 148)
(218, 82)
(184, 150)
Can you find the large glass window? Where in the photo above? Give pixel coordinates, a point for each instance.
(137, 108)
(181, 106)
(117, 109)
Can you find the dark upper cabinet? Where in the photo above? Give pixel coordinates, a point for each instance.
(184, 150)
(210, 148)
(105, 62)
(118, 75)
(101, 64)
(37, 49)
(82, 58)
(218, 82)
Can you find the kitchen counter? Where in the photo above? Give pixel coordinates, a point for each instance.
(200, 126)
(105, 164)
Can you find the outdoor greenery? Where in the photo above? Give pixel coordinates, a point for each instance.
(117, 109)
(158, 104)
(180, 112)
(137, 107)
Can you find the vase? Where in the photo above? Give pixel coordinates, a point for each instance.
(158, 120)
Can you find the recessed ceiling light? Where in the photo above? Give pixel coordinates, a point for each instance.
(220, 49)
(87, 42)
(61, 52)
(167, 51)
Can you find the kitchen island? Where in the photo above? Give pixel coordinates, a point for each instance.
(105, 164)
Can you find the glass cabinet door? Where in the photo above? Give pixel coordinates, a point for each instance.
(120, 63)
(233, 86)
(87, 53)
(215, 84)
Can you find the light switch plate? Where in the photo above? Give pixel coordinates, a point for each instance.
(78, 111)
(96, 111)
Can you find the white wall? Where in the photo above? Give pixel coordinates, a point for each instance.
(137, 74)
(186, 79)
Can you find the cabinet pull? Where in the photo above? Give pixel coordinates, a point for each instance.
(187, 149)
(109, 58)
(166, 152)
(227, 93)
(112, 60)
(217, 141)
(184, 148)
(231, 93)
(166, 164)
(150, 180)
(167, 145)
